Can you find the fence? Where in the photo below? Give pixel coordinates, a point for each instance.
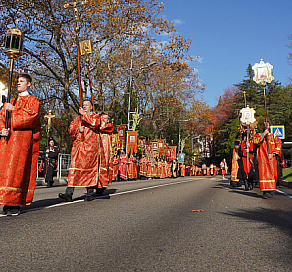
(64, 161)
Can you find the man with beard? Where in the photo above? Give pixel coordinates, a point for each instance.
(83, 170)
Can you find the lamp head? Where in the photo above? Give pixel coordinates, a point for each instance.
(13, 43)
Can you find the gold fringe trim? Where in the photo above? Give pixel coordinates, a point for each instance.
(17, 190)
(81, 169)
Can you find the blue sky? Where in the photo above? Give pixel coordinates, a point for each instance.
(230, 34)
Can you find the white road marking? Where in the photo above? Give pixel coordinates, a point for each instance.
(290, 196)
(98, 197)
(122, 193)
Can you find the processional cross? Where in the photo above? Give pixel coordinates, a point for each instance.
(49, 116)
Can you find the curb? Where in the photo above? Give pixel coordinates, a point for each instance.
(286, 183)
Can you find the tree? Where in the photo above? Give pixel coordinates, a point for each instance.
(120, 30)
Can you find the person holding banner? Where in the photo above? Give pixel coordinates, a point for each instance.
(270, 147)
(19, 148)
(83, 170)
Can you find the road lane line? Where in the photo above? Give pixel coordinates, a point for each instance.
(104, 196)
(290, 196)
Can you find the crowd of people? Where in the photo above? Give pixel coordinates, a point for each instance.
(257, 159)
(92, 164)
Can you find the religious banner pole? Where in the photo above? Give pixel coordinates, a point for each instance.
(263, 75)
(13, 49)
(74, 5)
(86, 48)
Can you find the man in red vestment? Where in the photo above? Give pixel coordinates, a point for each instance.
(159, 169)
(150, 169)
(123, 165)
(182, 170)
(247, 171)
(105, 161)
(83, 170)
(132, 167)
(143, 167)
(267, 159)
(19, 152)
(116, 161)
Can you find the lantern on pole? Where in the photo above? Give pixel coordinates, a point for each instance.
(263, 75)
(13, 48)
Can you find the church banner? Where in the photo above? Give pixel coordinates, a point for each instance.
(148, 149)
(132, 142)
(115, 143)
(121, 131)
(142, 143)
(171, 153)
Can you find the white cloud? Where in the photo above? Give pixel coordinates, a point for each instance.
(177, 22)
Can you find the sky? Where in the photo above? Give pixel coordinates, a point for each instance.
(227, 35)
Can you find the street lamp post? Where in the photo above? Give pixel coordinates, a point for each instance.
(179, 141)
(130, 90)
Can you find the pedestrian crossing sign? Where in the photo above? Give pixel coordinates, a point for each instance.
(278, 131)
(181, 157)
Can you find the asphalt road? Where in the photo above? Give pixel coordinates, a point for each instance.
(184, 224)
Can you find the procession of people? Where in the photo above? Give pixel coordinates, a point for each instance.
(94, 165)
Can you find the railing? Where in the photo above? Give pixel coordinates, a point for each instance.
(64, 161)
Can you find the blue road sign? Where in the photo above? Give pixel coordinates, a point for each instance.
(278, 131)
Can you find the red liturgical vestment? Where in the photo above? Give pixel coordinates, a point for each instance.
(19, 155)
(123, 166)
(268, 168)
(83, 171)
(105, 156)
(143, 167)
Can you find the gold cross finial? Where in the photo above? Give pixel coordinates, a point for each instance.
(49, 116)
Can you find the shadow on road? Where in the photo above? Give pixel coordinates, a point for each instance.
(273, 218)
(43, 203)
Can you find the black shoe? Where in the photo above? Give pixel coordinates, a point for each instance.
(88, 198)
(99, 191)
(265, 195)
(50, 184)
(271, 193)
(13, 211)
(5, 209)
(65, 197)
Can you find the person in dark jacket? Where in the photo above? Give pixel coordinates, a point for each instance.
(50, 160)
(247, 171)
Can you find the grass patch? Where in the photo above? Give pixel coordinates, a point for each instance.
(287, 174)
